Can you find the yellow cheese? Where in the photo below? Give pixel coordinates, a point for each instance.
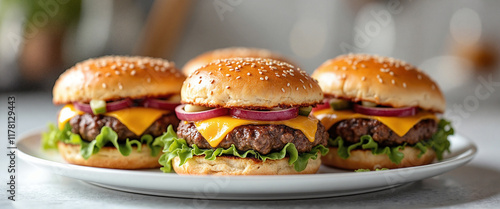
(66, 113)
(400, 125)
(136, 119)
(215, 129)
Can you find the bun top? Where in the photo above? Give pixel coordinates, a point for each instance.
(382, 80)
(115, 77)
(226, 53)
(250, 83)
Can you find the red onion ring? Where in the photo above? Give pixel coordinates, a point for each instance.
(324, 105)
(275, 115)
(110, 107)
(386, 111)
(160, 104)
(202, 115)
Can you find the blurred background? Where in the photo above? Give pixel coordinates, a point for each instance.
(454, 41)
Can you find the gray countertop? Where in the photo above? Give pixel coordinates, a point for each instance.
(475, 185)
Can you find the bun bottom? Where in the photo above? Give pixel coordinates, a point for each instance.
(364, 159)
(230, 165)
(110, 157)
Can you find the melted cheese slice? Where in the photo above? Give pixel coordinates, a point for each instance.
(215, 129)
(66, 113)
(400, 125)
(137, 119)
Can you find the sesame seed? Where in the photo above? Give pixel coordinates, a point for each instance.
(117, 72)
(266, 78)
(354, 68)
(148, 80)
(157, 68)
(108, 74)
(304, 86)
(419, 77)
(310, 85)
(261, 78)
(344, 76)
(113, 67)
(132, 72)
(98, 74)
(344, 68)
(240, 77)
(227, 87)
(288, 84)
(220, 69)
(283, 75)
(249, 74)
(212, 81)
(131, 66)
(104, 85)
(283, 90)
(120, 86)
(199, 82)
(291, 74)
(228, 75)
(301, 81)
(363, 78)
(393, 81)
(404, 84)
(335, 67)
(297, 88)
(86, 68)
(363, 65)
(391, 73)
(211, 92)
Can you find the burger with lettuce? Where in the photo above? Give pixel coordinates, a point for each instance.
(246, 116)
(115, 111)
(380, 112)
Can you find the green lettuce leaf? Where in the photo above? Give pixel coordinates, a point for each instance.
(438, 142)
(106, 136)
(177, 147)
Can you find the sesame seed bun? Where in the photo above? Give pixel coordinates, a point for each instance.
(116, 77)
(230, 165)
(382, 80)
(251, 83)
(110, 157)
(225, 53)
(364, 159)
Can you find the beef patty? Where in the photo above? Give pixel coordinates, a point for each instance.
(261, 138)
(89, 126)
(352, 129)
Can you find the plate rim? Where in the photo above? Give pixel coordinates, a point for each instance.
(446, 165)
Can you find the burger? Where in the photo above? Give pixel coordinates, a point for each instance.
(115, 109)
(246, 116)
(380, 112)
(225, 53)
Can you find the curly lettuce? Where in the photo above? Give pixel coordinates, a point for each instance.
(106, 136)
(177, 147)
(438, 142)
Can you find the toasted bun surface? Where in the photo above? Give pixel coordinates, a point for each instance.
(230, 165)
(364, 159)
(115, 77)
(382, 80)
(251, 83)
(226, 53)
(110, 157)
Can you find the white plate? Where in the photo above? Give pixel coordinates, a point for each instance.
(327, 183)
